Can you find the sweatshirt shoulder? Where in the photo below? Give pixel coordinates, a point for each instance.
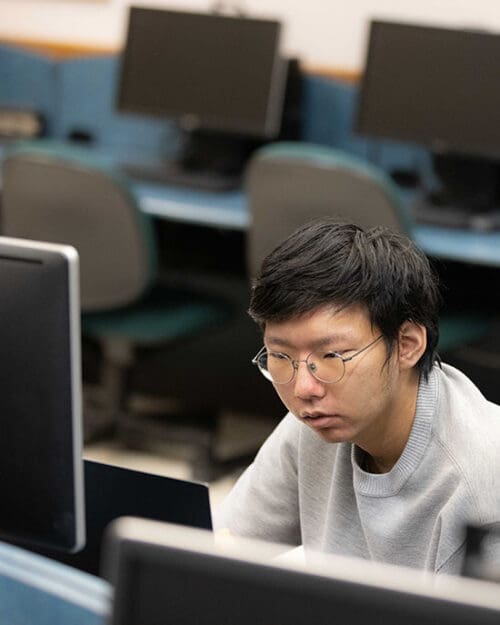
(467, 427)
(459, 395)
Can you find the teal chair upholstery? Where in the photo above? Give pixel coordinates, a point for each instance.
(35, 590)
(289, 184)
(56, 193)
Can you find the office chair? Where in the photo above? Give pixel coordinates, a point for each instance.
(289, 184)
(59, 194)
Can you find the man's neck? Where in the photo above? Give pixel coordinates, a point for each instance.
(377, 465)
(383, 454)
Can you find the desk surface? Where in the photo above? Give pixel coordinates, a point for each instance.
(469, 246)
(226, 210)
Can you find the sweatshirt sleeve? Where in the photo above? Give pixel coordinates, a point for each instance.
(263, 503)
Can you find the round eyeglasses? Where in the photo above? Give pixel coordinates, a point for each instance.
(326, 366)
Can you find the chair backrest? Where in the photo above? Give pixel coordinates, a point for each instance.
(58, 195)
(289, 184)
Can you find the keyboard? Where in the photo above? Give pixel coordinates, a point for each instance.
(171, 174)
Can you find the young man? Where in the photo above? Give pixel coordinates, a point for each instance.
(385, 454)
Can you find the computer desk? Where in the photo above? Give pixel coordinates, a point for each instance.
(229, 211)
(225, 210)
(467, 246)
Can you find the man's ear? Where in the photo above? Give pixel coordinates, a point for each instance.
(411, 343)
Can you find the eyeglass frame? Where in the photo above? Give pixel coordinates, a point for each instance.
(295, 363)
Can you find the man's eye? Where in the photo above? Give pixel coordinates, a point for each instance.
(278, 356)
(332, 355)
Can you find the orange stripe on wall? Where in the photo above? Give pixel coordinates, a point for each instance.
(60, 50)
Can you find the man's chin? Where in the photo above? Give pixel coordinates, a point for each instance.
(333, 435)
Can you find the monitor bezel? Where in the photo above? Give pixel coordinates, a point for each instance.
(24, 249)
(198, 121)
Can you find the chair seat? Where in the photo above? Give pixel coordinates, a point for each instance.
(163, 316)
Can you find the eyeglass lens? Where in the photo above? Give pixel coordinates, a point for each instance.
(325, 366)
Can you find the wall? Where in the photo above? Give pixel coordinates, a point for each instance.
(324, 33)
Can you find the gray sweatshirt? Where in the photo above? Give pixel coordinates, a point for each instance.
(301, 490)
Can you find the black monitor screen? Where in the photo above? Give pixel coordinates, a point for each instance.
(41, 467)
(166, 574)
(434, 86)
(206, 71)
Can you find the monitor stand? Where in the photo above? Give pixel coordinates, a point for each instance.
(206, 161)
(468, 195)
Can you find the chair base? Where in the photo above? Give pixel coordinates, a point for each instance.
(193, 438)
(98, 421)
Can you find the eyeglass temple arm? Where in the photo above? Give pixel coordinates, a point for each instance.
(349, 358)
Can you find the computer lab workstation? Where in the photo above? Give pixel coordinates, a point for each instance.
(67, 557)
(198, 178)
(186, 155)
(71, 553)
(205, 207)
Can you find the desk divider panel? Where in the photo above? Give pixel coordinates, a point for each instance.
(29, 81)
(88, 92)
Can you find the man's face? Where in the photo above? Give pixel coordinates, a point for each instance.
(362, 406)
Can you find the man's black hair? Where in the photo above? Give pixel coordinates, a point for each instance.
(330, 263)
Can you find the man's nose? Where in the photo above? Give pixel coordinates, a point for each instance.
(305, 384)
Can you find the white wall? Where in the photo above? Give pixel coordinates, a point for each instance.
(324, 33)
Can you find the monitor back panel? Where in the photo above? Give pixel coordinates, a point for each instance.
(112, 492)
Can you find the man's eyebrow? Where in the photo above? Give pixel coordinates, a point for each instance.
(277, 341)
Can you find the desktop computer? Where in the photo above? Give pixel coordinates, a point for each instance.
(439, 87)
(221, 79)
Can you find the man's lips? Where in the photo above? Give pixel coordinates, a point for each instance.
(320, 420)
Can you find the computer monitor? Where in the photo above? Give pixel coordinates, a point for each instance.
(435, 86)
(205, 70)
(167, 574)
(438, 87)
(220, 78)
(41, 467)
(112, 492)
